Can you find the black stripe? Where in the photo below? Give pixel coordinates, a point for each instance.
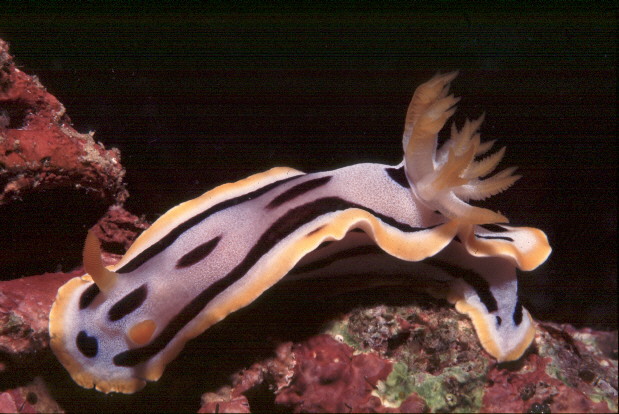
(128, 304)
(481, 286)
(171, 237)
(478, 283)
(399, 176)
(297, 191)
(474, 279)
(509, 239)
(88, 296)
(325, 244)
(283, 227)
(197, 254)
(495, 228)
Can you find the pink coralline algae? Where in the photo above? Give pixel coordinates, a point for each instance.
(572, 371)
(118, 229)
(276, 371)
(532, 388)
(413, 359)
(53, 179)
(24, 309)
(31, 398)
(329, 378)
(39, 149)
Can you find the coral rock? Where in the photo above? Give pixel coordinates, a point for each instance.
(224, 402)
(329, 378)
(53, 179)
(118, 229)
(425, 357)
(24, 311)
(33, 397)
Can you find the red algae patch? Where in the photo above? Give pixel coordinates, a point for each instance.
(53, 179)
(24, 310)
(39, 149)
(328, 377)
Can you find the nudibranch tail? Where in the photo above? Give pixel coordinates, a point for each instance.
(447, 178)
(525, 247)
(103, 278)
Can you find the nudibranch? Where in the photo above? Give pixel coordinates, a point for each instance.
(114, 329)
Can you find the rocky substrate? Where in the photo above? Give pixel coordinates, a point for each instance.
(55, 182)
(299, 348)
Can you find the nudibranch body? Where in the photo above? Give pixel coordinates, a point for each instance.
(115, 329)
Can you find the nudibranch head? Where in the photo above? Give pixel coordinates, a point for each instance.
(446, 178)
(87, 347)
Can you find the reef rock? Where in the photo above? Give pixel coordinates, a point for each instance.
(53, 179)
(425, 358)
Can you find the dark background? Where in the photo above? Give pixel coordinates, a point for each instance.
(197, 97)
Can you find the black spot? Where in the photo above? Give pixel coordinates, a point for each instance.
(128, 304)
(198, 254)
(87, 345)
(398, 175)
(586, 375)
(499, 321)
(175, 233)
(517, 316)
(398, 340)
(32, 398)
(88, 296)
(297, 191)
(283, 227)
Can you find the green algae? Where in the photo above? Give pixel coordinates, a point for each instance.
(457, 389)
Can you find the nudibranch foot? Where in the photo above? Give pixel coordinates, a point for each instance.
(114, 329)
